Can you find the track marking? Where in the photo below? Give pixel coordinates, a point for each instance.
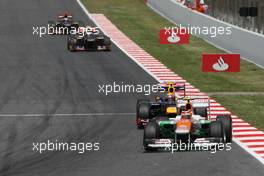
(78, 114)
(236, 93)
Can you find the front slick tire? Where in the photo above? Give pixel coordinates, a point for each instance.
(226, 121)
(216, 130)
(107, 43)
(151, 131)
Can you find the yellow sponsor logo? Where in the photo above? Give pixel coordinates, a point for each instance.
(171, 110)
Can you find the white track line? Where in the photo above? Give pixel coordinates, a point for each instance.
(254, 143)
(78, 114)
(244, 128)
(248, 133)
(251, 138)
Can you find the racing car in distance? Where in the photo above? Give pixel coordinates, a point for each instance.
(187, 127)
(93, 40)
(64, 25)
(162, 106)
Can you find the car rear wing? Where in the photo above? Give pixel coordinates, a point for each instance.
(61, 15)
(178, 87)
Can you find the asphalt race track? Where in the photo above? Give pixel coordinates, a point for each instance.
(39, 76)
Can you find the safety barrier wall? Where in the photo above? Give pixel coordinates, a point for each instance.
(228, 11)
(249, 44)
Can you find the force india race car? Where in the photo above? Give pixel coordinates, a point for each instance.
(93, 40)
(188, 127)
(64, 25)
(162, 106)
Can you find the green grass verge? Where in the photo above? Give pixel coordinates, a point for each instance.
(142, 25)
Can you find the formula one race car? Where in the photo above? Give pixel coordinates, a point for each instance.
(187, 127)
(89, 41)
(162, 106)
(64, 25)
